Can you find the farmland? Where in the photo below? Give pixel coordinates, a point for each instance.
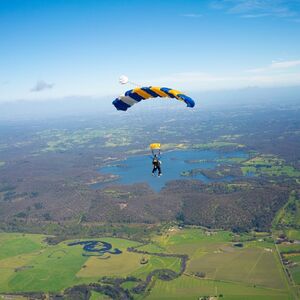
(269, 165)
(213, 253)
(29, 264)
(187, 287)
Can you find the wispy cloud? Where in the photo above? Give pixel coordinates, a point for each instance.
(276, 65)
(253, 16)
(204, 81)
(42, 85)
(259, 8)
(285, 64)
(192, 15)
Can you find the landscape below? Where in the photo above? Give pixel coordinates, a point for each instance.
(182, 263)
(226, 226)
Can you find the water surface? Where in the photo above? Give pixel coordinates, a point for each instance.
(138, 169)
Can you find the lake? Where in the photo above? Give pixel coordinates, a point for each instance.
(138, 169)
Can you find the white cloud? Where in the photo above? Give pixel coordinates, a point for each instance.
(202, 81)
(256, 70)
(276, 65)
(253, 16)
(285, 64)
(259, 8)
(42, 85)
(192, 15)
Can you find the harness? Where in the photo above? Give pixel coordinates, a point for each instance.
(155, 161)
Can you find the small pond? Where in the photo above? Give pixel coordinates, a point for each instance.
(96, 248)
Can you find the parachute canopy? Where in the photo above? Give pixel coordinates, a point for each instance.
(134, 96)
(155, 146)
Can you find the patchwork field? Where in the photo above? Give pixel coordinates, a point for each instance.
(189, 288)
(28, 264)
(255, 265)
(290, 254)
(269, 165)
(294, 266)
(246, 270)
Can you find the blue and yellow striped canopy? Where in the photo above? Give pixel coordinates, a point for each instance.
(134, 96)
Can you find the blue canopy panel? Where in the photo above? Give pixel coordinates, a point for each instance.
(166, 91)
(126, 101)
(150, 92)
(134, 95)
(120, 105)
(189, 101)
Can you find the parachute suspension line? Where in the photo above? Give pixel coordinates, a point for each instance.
(135, 84)
(124, 80)
(156, 153)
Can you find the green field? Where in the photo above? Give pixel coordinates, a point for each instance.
(98, 296)
(255, 264)
(293, 234)
(27, 264)
(294, 267)
(289, 216)
(191, 288)
(217, 145)
(15, 243)
(152, 247)
(253, 271)
(204, 146)
(214, 254)
(289, 248)
(269, 165)
(63, 140)
(252, 265)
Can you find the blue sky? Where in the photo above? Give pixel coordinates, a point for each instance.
(53, 49)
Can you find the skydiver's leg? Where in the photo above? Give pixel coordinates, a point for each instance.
(159, 170)
(154, 169)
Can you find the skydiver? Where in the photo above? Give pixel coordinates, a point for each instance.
(156, 165)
